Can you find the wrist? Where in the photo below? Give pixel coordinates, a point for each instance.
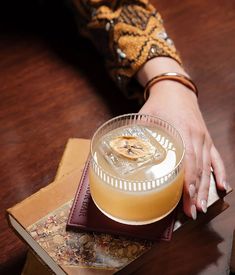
(158, 66)
(172, 76)
(170, 90)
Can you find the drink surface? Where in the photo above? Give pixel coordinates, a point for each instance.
(155, 165)
(136, 155)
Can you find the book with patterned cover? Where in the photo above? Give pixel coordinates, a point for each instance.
(40, 221)
(85, 216)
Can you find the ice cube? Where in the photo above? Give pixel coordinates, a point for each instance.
(130, 148)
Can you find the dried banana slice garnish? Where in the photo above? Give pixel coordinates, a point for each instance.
(131, 147)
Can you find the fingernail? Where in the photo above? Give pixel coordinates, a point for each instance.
(226, 185)
(191, 190)
(194, 212)
(204, 206)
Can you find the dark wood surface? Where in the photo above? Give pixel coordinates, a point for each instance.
(53, 86)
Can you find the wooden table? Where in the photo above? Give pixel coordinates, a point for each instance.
(53, 86)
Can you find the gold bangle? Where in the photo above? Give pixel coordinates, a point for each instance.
(180, 78)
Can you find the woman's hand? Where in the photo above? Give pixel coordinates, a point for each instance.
(178, 105)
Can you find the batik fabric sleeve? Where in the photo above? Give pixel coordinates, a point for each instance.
(128, 34)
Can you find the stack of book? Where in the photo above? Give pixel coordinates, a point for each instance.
(42, 222)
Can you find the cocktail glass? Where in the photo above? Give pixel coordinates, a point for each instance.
(136, 170)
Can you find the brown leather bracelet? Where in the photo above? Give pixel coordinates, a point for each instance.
(180, 78)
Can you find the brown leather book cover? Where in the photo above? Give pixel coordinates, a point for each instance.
(85, 216)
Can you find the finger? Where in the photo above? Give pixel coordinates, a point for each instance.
(198, 143)
(204, 186)
(189, 193)
(219, 169)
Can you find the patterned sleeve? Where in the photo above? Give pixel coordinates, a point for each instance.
(128, 33)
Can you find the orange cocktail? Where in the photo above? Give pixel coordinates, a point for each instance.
(136, 172)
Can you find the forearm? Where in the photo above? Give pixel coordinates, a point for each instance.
(128, 34)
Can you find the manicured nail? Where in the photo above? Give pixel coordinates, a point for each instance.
(226, 185)
(191, 190)
(204, 205)
(194, 212)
